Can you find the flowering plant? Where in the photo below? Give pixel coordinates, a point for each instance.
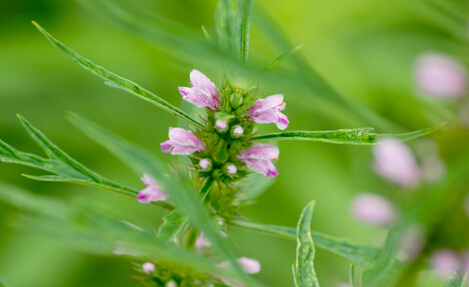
(204, 195)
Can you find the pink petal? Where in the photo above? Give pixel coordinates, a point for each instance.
(250, 266)
(266, 104)
(261, 151)
(373, 209)
(148, 267)
(201, 82)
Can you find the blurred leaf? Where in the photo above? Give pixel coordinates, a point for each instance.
(142, 161)
(303, 269)
(352, 275)
(225, 24)
(380, 272)
(243, 24)
(91, 228)
(360, 254)
(115, 81)
(282, 57)
(360, 136)
(65, 167)
(207, 36)
(172, 224)
(457, 280)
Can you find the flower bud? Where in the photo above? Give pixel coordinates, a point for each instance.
(221, 126)
(205, 164)
(236, 99)
(148, 267)
(236, 131)
(221, 151)
(230, 169)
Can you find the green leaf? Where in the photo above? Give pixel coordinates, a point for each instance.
(352, 275)
(457, 280)
(225, 24)
(183, 194)
(362, 255)
(303, 269)
(172, 224)
(65, 168)
(243, 24)
(93, 228)
(362, 136)
(115, 81)
(282, 57)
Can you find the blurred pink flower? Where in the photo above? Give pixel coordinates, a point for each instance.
(412, 241)
(432, 168)
(445, 262)
(182, 142)
(440, 76)
(201, 242)
(202, 94)
(148, 267)
(259, 158)
(268, 110)
(153, 191)
(373, 209)
(250, 266)
(394, 161)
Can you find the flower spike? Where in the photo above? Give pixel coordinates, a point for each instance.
(259, 159)
(268, 110)
(202, 94)
(182, 142)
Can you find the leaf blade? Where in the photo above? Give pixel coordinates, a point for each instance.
(116, 81)
(243, 26)
(282, 57)
(304, 274)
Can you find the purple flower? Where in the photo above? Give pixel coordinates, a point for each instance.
(445, 262)
(259, 159)
(394, 161)
(153, 191)
(440, 76)
(202, 94)
(267, 110)
(182, 142)
(373, 209)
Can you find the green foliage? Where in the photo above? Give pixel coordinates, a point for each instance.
(303, 269)
(243, 24)
(58, 162)
(281, 58)
(352, 275)
(361, 136)
(115, 81)
(457, 280)
(360, 254)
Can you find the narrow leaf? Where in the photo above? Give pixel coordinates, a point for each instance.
(207, 36)
(352, 275)
(141, 161)
(282, 57)
(304, 274)
(173, 223)
(115, 81)
(243, 24)
(362, 136)
(225, 24)
(457, 280)
(362, 255)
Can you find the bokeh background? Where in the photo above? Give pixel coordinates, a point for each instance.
(367, 50)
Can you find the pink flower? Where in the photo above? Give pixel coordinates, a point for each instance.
(373, 209)
(445, 262)
(259, 159)
(250, 266)
(148, 267)
(201, 242)
(182, 142)
(394, 161)
(440, 76)
(267, 110)
(231, 169)
(202, 94)
(153, 191)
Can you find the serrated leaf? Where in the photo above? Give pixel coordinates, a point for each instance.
(282, 57)
(362, 136)
(457, 280)
(142, 161)
(116, 81)
(91, 228)
(65, 168)
(243, 24)
(303, 269)
(362, 255)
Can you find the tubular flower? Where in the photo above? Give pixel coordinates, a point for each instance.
(153, 191)
(182, 142)
(267, 110)
(259, 159)
(202, 94)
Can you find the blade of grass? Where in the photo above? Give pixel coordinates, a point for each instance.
(243, 26)
(282, 57)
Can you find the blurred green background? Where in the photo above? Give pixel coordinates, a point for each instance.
(365, 49)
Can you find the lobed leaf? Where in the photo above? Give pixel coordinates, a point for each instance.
(243, 24)
(303, 269)
(362, 255)
(362, 136)
(116, 81)
(141, 161)
(65, 168)
(282, 57)
(457, 280)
